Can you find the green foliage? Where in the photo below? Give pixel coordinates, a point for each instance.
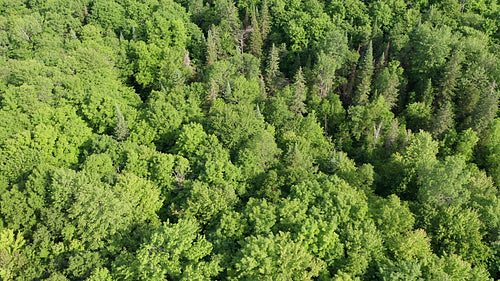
(234, 124)
(256, 40)
(275, 257)
(392, 217)
(462, 144)
(299, 94)
(213, 46)
(241, 73)
(486, 109)
(176, 250)
(444, 182)
(367, 125)
(454, 268)
(458, 231)
(403, 270)
(249, 140)
(11, 255)
(442, 121)
(121, 129)
(420, 151)
(492, 150)
(364, 77)
(388, 82)
(259, 154)
(273, 74)
(411, 246)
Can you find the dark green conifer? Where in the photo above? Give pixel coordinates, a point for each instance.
(297, 104)
(255, 36)
(365, 74)
(272, 72)
(213, 45)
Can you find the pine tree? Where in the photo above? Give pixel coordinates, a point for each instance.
(121, 129)
(387, 83)
(450, 79)
(213, 93)
(428, 95)
(473, 82)
(325, 74)
(365, 74)
(246, 20)
(443, 120)
(255, 36)
(258, 114)
(486, 109)
(229, 27)
(227, 92)
(266, 22)
(380, 64)
(229, 15)
(392, 136)
(297, 104)
(213, 45)
(273, 73)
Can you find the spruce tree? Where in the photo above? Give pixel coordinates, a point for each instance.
(297, 104)
(272, 72)
(387, 83)
(428, 94)
(246, 20)
(443, 121)
(325, 74)
(121, 129)
(213, 45)
(450, 80)
(258, 114)
(255, 36)
(227, 92)
(486, 109)
(266, 22)
(364, 77)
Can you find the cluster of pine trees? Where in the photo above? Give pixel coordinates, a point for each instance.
(249, 140)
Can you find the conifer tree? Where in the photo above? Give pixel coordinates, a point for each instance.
(213, 45)
(428, 95)
(450, 79)
(387, 83)
(486, 109)
(228, 14)
(299, 94)
(325, 74)
(471, 85)
(272, 72)
(266, 22)
(380, 64)
(177, 78)
(258, 114)
(443, 120)
(227, 92)
(134, 34)
(255, 36)
(365, 74)
(213, 93)
(246, 20)
(229, 27)
(121, 129)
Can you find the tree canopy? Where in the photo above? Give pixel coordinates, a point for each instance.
(249, 140)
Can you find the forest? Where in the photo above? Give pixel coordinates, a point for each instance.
(249, 140)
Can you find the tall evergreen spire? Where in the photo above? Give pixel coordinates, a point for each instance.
(364, 77)
(121, 129)
(297, 104)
